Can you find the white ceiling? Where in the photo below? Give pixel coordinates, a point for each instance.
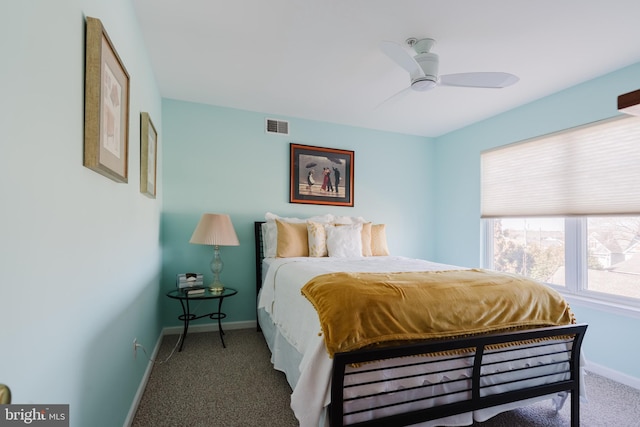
(319, 59)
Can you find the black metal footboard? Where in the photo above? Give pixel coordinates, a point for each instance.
(559, 371)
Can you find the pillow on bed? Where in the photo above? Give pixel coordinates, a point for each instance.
(292, 239)
(348, 220)
(317, 239)
(270, 230)
(379, 240)
(366, 239)
(344, 241)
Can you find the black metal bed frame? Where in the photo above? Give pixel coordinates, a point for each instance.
(478, 347)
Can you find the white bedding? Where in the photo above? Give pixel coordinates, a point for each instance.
(297, 323)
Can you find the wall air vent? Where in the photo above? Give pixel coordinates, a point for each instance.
(277, 126)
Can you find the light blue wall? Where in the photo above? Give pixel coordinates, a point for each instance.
(79, 254)
(221, 160)
(458, 193)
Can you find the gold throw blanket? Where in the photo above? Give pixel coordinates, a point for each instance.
(362, 309)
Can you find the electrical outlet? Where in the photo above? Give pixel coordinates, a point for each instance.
(135, 347)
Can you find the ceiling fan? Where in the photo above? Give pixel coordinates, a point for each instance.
(423, 68)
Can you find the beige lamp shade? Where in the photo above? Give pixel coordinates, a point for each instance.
(215, 230)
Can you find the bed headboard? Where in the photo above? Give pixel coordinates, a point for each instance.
(257, 230)
(257, 234)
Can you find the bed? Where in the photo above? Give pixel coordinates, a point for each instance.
(454, 380)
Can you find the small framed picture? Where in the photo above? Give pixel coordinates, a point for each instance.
(148, 156)
(321, 176)
(106, 106)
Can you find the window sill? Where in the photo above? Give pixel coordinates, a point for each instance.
(613, 307)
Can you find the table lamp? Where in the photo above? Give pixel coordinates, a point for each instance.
(215, 230)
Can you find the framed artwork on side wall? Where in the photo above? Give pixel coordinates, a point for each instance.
(321, 176)
(106, 106)
(148, 156)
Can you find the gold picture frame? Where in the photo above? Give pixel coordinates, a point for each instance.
(148, 156)
(106, 106)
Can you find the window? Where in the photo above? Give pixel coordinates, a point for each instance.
(605, 266)
(565, 209)
(532, 247)
(613, 256)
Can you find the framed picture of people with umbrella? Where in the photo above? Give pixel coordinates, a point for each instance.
(321, 176)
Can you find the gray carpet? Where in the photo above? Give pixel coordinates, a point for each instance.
(206, 385)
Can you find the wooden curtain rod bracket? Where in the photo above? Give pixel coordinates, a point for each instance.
(629, 103)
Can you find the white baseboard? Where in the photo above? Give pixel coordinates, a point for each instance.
(143, 384)
(613, 374)
(210, 327)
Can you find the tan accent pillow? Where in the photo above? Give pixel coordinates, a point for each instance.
(317, 239)
(379, 240)
(366, 239)
(292, 239)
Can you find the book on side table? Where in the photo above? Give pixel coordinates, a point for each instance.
(195, 291)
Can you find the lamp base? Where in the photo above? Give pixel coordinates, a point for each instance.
(216, 288)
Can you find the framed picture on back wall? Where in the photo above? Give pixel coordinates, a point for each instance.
(106, 106)
(321, 176)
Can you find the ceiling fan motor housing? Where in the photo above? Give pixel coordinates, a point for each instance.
(429, 64)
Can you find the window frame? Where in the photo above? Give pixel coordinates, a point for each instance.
(576, 275)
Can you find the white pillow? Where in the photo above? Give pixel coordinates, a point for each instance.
(344, 241)
(270, 234)
(349, 220)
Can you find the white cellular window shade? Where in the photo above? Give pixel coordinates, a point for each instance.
(590, 170)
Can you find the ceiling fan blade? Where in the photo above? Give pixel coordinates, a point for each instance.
(394, 98)
(402, 58)
(482, 80)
